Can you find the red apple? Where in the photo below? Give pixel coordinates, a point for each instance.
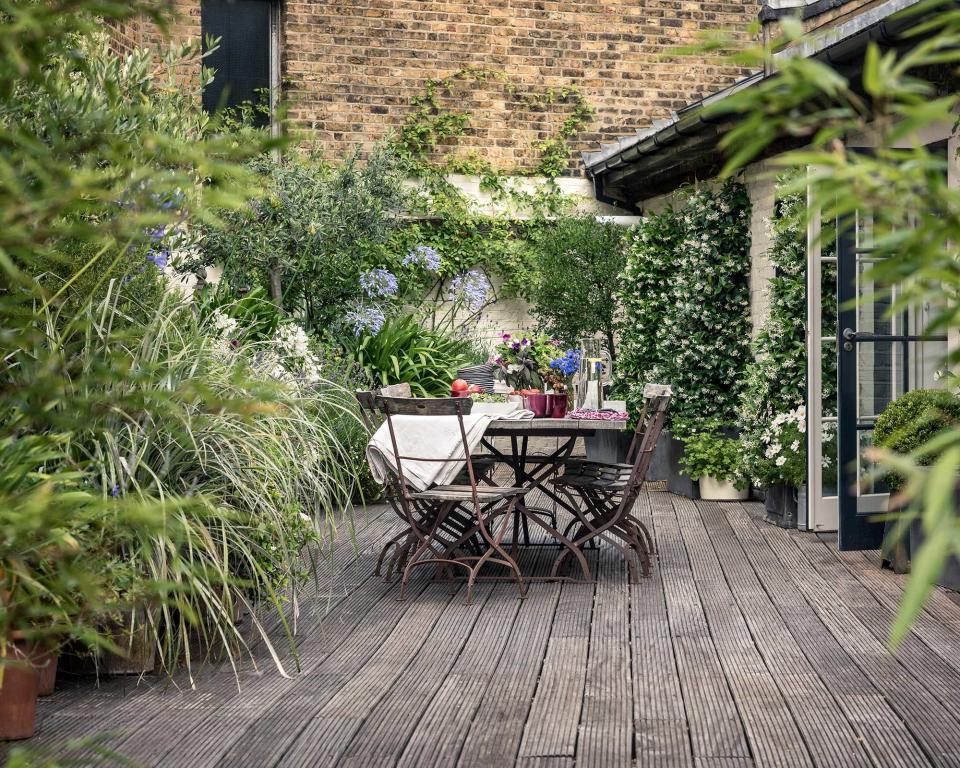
(459, 385)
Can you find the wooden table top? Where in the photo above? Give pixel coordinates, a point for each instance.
(554, 426)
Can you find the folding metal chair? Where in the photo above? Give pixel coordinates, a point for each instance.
(428, 512)
(458, 521)
(603, 494)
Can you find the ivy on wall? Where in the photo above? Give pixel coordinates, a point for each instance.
(319, 226)
(442, 216)
(429, 127)
(686, 299)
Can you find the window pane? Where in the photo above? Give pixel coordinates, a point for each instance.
(242, 61)
(829, 465)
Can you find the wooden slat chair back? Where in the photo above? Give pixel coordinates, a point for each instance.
(435, 514)
(649, 428)
(607, 492)
(428, 406)
(369, 409)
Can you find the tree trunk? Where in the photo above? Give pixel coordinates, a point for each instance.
(613, 356)
(276, 291)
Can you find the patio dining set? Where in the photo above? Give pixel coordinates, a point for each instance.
(438, 459)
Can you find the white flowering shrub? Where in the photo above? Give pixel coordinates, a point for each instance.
(642, 295)
(294, 347)
(685, 294)
(776, 377)
(777, 454)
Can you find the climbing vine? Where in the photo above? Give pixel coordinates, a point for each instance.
(429, 126)
(497, 239)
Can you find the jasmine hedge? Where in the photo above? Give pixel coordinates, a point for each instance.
(776, 376)
(685, 296)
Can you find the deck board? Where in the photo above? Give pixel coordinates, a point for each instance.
(747, 646)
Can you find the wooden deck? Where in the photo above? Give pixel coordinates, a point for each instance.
(749, 646)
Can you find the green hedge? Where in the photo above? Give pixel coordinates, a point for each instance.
(685, 301)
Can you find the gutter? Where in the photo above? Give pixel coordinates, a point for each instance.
(807, 9)
(832, 46)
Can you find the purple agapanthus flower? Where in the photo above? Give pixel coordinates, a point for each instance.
(159, 258)
(369, 319)
(470, 287)
(377, 283)
(423, 256)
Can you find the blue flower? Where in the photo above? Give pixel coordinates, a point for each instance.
(377, 283)
(115, 491)
(369, 319)
(159, 258)
(423, 256)
(471, 287)
(569, 364)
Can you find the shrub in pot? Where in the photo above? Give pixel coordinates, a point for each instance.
(716, 461)
(905, 426)
(777, 461)
(52, 578)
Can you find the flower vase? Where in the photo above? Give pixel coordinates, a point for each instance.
(537, 404)
(557, 405)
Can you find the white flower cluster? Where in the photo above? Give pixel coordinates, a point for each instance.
(685, 302)
(222, 323)
(783, 442)
(293, 345)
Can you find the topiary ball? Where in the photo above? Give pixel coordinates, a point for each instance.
(912, 420)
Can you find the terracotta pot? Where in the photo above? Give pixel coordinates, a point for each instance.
(18, 692)
(537, 404)
(46, 666)
(557, 406)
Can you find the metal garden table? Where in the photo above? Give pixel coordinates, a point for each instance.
(532, 470)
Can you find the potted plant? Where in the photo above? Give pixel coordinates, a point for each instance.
(716, 461)
(777, 460)
(522, 364)
(558, 376)
(904, 427)
(516, 364)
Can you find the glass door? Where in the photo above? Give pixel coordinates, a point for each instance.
(880, 356)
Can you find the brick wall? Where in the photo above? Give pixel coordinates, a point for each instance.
(352, 67)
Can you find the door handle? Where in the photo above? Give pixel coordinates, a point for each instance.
(850, 336)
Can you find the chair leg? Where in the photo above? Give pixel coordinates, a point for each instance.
(494, 540)
(645, 533)
(394, 542)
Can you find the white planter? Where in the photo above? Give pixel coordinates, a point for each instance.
(712, 489)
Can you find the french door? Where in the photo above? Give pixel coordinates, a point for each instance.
(880, 356)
